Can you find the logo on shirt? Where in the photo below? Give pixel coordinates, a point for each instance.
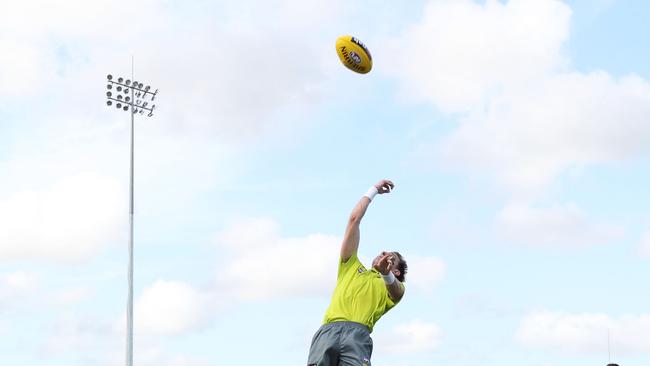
(361, 270)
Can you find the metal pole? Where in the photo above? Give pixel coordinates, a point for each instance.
(133, 105)
(609, 353)
(129, 312)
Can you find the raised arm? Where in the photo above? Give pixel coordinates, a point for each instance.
(352, 233)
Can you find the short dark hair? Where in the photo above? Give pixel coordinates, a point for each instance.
(402, 267)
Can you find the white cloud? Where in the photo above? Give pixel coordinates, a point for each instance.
(47, 42)
(289, 267)
(483, 306)
(67, 221)
(18, 281)
(424, 273)
(88, 338)
(524, 116)
(151, 353)
(248, 235)
(71, 295)
(156, 356)
(188, 360)
(206, 99)
(644, 245)
(170, 308)
(411, 337)
(20, 72)
(64, 195)
(15, 286)
(559, 225)
(463, 52)
(265, 265)
(91, 340)
(527, 137)
(584, 333)
(225, 78)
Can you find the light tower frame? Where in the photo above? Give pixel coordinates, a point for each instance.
(137, 103)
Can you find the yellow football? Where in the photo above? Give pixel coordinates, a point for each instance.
(353, 54)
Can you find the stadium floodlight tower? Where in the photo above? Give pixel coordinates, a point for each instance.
(131, 96)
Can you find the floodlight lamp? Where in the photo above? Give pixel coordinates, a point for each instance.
(126, 90)
(119, 88)
(109, 77)
(127, 99)
(146, 88)
(108, 94)
(119, 105)
(119, 96)
(109, 86)
(128, 82)
(126, 108)
(119, 80)
(108, 103)
(140, 85)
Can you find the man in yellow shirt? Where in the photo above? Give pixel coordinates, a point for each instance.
(360, 298)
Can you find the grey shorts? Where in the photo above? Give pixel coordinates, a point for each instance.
(341, 344)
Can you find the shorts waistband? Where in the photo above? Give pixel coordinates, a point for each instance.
(346, 324)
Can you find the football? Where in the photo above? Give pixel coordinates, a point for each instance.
(353, 54)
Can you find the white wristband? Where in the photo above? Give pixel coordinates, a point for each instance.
(372, 192)
(389, 278)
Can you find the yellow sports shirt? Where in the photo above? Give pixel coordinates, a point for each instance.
(360, 295)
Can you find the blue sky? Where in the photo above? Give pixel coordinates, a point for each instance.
(516, 132)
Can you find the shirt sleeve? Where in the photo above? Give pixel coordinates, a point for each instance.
(350, 266)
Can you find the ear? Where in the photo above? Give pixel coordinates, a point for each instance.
(396, 272)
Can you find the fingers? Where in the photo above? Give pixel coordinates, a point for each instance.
(382, 260)
(385, 186)
(387, 259)
(385, 263)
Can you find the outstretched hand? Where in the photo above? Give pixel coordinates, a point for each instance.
(384, 186)
(385, 264)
